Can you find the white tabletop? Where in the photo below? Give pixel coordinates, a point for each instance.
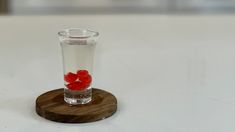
(169, 73)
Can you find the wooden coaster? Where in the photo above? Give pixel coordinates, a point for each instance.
(51, 105)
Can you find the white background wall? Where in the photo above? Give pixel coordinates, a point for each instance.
(117, 6)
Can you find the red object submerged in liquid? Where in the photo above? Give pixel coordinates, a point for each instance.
(79, 81)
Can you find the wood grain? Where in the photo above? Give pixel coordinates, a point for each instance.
(51, 105)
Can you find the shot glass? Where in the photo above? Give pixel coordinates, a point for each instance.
(78, 47)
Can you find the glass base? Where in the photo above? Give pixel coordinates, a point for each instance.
(74, 97)
(73, 101)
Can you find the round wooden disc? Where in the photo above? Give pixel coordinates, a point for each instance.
(51, 105)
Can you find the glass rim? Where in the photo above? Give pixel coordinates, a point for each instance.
(66, 33)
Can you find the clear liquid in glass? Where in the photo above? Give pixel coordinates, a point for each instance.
(77, 55)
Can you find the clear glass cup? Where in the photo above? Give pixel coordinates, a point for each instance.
(78, 46)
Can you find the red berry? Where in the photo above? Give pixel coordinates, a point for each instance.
(77, 86)
(70, 77)
(84, 86)
(81, 73)
(74, 86)
(86, 79)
